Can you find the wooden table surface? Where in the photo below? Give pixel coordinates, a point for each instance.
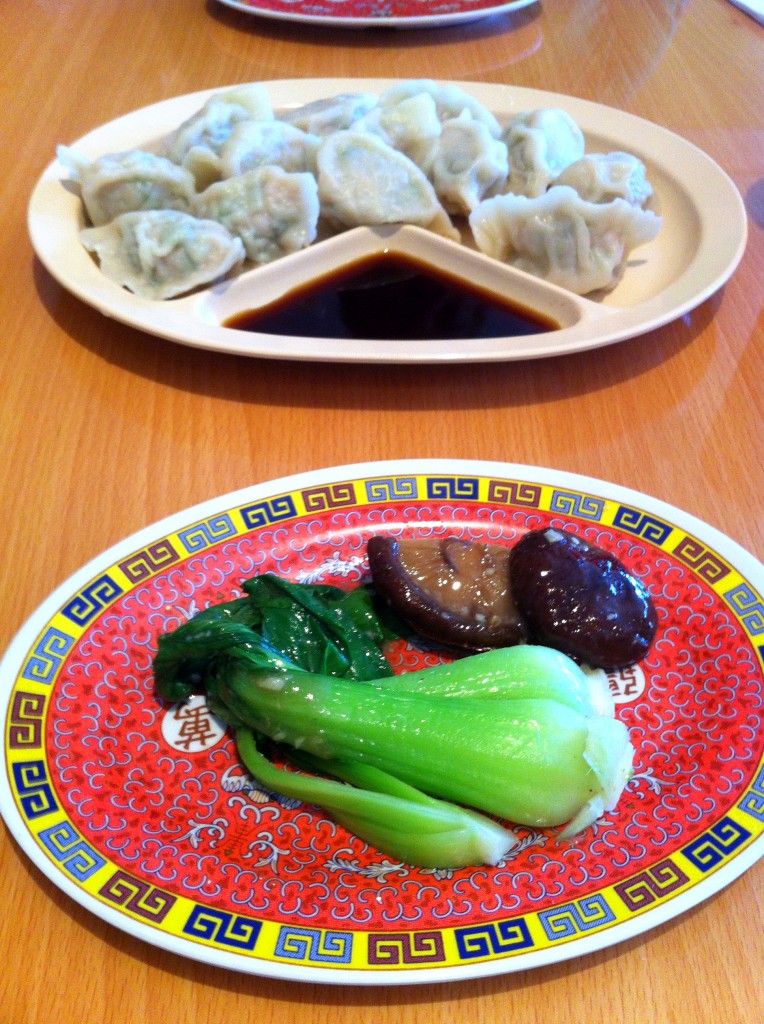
(104, 430)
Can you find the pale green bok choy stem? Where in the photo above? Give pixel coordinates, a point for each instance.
(393, 817)
(535, 762)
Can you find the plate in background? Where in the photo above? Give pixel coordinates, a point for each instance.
(377, 13)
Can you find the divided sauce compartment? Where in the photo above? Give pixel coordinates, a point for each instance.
(700, 243)
(263, 286)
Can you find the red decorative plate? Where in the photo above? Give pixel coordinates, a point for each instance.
(143, 813)
(377, 13)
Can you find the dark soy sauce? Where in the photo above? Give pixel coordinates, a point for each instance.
(394, 298)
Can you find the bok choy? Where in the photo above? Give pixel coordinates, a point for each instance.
(518, 734)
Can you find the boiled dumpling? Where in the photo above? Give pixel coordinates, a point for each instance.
(125, 182)
(252, 97)
(411, 126)
(541, 144)
(260, 143)
(159, 254)
(272, 211)
(334, 114)
(197, 142)
(212, 124)
(578, 245)
(468, 164)
(450, 101)
(362, 180)
(600, 177)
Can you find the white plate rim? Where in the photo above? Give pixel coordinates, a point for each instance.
(382, 21)
(54, 216)
(745, 562)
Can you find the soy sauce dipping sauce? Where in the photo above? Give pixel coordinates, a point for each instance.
(395, 298)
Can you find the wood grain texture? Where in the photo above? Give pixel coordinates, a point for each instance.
(104, 430)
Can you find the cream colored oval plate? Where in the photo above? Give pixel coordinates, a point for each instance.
(700, 244)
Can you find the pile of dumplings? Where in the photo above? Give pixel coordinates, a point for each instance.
(238, 185)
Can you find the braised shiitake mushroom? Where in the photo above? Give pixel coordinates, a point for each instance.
(450, 591)
(580, 599)
(551, 588)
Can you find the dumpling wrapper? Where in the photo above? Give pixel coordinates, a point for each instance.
(262, 143)
(411, 126)
(273, 211)
(335, 113)
(450, 101)
(562, 238)
(468, 164)
(159, 254)
(118, 183)
(601, 177)
(197, 142)
(362, 180)
(541, 144)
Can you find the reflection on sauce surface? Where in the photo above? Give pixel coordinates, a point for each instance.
(392, 297)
